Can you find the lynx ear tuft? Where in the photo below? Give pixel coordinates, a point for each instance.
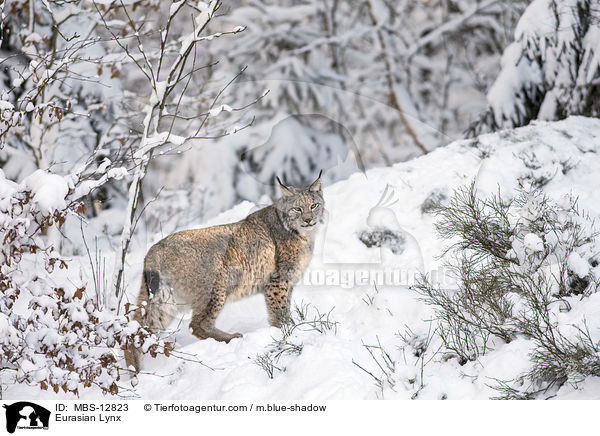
(285, 191)
(316, 186)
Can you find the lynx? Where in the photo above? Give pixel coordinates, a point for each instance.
(202, 269)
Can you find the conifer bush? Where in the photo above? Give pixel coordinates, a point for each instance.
(516, 264)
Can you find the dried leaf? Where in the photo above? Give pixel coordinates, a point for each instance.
(78, 293)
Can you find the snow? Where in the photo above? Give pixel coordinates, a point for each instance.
(49, 190)
(33, 38)
(370, 313)
(554, 60)
(516, 72)
(216, 111)
(578, 265)
(158, 94)
(4, 326)
(6, 105)
(7, 187)
(533, 242)
(117, 173)
(152, 141)
(206, 11)
(538, 15)
(325, 369)
(175, 7)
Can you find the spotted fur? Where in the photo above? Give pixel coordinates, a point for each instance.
(266, 252)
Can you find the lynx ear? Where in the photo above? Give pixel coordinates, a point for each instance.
(316, 186)
(285, 191)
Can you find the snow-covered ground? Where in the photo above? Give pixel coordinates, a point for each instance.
(363, 291)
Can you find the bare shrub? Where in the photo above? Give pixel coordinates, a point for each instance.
(53, 334)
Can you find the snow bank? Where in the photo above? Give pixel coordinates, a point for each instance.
(355, 284)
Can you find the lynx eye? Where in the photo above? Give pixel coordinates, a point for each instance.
(314, 206)
(296, 210)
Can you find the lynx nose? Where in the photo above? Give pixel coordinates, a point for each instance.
(307, 220)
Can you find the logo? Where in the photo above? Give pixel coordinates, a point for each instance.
(26, 415)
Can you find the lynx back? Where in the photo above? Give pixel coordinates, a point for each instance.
(267, 252)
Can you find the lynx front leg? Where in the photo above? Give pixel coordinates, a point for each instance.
(203, 319)
(278, 295)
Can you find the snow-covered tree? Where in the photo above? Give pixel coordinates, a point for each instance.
(551, 70)
(164, 59)
(57, 101)
(318, 144)
(94, 92)
(392, 80)
(401, 77)
(54, 332)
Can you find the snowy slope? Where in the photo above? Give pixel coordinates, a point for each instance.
(355, 288)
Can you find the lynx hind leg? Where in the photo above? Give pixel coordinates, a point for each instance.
(204, 316)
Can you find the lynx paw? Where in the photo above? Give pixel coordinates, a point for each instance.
(233, 336)
(205, 332)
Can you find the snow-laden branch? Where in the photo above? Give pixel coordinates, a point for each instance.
(453, 25)
(399, 96)
(168, 79)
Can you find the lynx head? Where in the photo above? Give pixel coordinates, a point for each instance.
(301, 210)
